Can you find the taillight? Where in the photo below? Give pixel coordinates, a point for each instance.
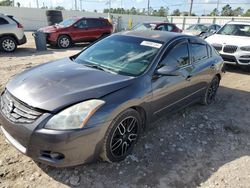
(19, 25)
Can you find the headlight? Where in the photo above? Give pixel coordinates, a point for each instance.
(74, 117)
(245, 48)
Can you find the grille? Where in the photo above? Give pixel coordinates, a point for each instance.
(15, 111)
(218, 47)
(229, 48)
(228, 58)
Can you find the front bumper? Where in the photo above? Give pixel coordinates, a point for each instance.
(76, 146)
(236, 58)
(22, 41)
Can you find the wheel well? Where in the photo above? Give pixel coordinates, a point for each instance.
(142, 113)
(10, 35)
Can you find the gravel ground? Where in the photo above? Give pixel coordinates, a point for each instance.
(200, 146)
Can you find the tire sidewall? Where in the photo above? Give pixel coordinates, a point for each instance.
(1, 44)
(61, 37)
(106, 147)
(205, 99)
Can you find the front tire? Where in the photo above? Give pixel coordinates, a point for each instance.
(64, 41)
(121, 136)
(8, 44)
(211, 91)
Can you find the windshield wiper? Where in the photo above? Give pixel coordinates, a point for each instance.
(95, 66)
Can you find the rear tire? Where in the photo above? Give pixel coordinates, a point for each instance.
(211, 91)
(121, 136)
(64, 41)
(8, 44)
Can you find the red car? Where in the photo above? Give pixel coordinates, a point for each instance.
(75, 30)
(163, 26)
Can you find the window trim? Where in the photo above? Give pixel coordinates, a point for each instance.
(169, 48)
(191, 53)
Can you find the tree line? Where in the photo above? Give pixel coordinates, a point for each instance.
(227, 10)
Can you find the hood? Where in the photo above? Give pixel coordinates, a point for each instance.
(191, 32)
(61, 83)
(228, 40)
(49, 29)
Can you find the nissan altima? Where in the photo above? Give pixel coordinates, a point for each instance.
(97, 103)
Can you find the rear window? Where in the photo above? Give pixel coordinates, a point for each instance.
(3, 21)
(11, 17)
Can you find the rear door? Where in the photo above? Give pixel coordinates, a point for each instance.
(204, 65)
(96, 28)
(172, 92)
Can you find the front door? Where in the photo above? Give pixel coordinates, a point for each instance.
(171, 92)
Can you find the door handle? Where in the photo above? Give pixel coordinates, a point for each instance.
(189, 77)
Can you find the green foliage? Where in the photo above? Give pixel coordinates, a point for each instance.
(6, 3)
(176, 12)
(238, 11)
(59, 8)
(215, 12)
(247, 13)
(227, 11)
(152, 12)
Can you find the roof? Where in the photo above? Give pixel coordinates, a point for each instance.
(81, 17)
(239, 22)
(153, 35)
(156, 22)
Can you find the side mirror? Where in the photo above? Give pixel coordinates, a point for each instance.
(168, 71)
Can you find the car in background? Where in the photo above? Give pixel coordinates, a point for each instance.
(161, 26)
(202, 30)
(232, 41)
(98, 102)
(77, 29)
(11, 33)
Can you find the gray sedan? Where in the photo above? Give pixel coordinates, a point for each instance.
(97, 103)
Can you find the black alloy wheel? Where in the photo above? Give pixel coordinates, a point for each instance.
(211, 91)
(122, 136)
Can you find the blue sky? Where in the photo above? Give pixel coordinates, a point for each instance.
(200, 6)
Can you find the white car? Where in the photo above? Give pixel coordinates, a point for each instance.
(11, 33)
(232, 41)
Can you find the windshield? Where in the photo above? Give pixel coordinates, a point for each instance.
(235, 29)
(123, 55)
(198, 27)
(144, 26)
(67, 22)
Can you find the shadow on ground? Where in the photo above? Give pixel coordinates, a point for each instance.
(180, 150)
(238, 69)
(24, 51)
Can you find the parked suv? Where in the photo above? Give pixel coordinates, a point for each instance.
(75, 30)
(232, 41)
(11, 33)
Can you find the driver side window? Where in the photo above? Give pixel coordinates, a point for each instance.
(178, 56)
(82, 24)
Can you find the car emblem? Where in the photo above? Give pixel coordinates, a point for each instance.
(10, 107)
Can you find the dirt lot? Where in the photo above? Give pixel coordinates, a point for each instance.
(200, 146)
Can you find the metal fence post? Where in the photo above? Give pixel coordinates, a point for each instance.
(183, 23)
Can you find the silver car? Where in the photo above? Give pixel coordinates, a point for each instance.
(11, 33)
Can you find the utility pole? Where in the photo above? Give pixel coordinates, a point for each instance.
(148, 6)
(37, 4)
(75, 4)
(218, 2)
(80, 5)
(191, 7)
